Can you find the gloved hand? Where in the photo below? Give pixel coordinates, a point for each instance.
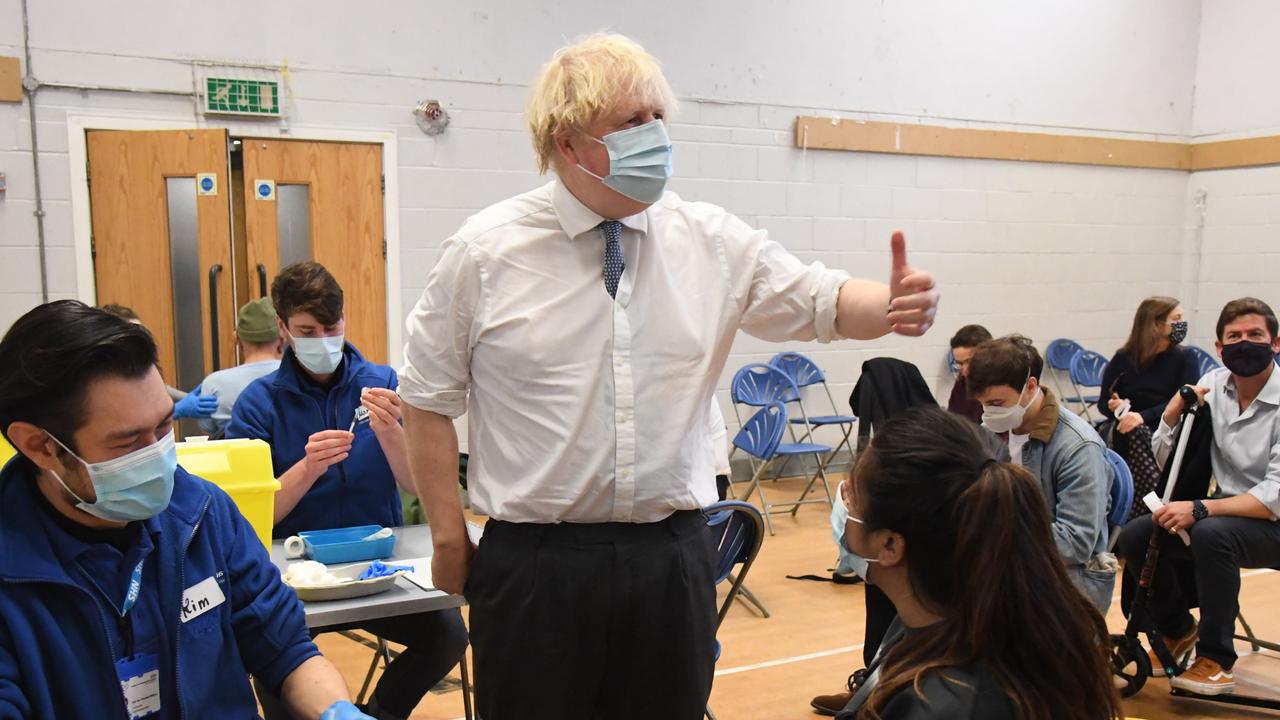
(195, 406)
(343, 710)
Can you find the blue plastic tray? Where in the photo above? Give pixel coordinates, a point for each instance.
(344, 545)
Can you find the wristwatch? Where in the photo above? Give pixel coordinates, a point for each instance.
(1198, 510)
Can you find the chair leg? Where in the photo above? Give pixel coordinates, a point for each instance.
(1248, 631)
(746, 597)
(466, 687)
(380, 654)
(710, 715)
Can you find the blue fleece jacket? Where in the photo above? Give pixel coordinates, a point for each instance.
(58, 654)
(287, 407)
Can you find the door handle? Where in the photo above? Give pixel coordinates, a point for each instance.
(262, 280)
(213, 316)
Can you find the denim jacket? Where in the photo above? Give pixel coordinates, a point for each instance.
(1067, 457)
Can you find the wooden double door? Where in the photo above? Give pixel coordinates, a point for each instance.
(188, 225)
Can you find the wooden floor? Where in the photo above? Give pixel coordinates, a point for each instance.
(770, 668)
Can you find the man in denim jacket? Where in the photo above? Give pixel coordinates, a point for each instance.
(1063, 452)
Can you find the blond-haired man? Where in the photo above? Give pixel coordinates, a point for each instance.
(582, 326)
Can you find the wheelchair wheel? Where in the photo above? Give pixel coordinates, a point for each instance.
(1130, 665)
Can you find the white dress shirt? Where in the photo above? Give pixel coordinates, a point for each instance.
(719, 439)
(1246, 446)
(581, 408)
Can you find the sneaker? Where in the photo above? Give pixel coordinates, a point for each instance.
(1180, 648)
(1205, 677)
(829, 705)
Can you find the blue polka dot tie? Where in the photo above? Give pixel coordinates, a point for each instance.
(614, 263)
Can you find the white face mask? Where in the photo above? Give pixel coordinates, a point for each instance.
(1006, 419)
(319, 355)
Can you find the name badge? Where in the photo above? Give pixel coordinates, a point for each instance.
(201, 598)
(140, 683)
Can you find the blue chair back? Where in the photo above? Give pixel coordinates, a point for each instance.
(1205, 361)
(1121, 491)
(1060, 352)
(1087, 367)
(802, 371)
(758, 384)
(738, 530)
(760, 434)
(951, 362)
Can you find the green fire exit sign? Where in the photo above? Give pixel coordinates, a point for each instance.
(229, 96)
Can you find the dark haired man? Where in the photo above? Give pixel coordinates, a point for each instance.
(962, 345)
(1235, 528)
(1060, 449)
(331, 477)
(128, 587)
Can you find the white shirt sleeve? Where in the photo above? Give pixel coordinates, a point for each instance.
(787, 300)
(437, 351)
(1162, 442)
(719, 438)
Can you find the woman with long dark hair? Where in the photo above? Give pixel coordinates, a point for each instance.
(994, 627)
(1138, 382)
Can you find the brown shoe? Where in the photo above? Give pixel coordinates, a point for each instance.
(1205, 677)
(829, 705)
(1179, 648)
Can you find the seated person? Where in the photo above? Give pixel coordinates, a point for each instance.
(1145, 373)
(1063, 453)
(962, 344)
(127, 582)
(186, 405)
(1235, 528)
(955, 539)
(331, 478)
(261, 348)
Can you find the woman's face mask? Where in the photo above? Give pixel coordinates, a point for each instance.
(850, 562)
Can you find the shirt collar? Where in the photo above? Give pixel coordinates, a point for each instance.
(576, 218)
(1045, 421)
(1270, 393)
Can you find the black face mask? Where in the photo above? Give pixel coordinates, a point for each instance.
(1246, 358)
(1178, 332)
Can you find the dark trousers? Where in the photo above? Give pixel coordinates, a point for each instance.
(585, 621)
(434, 643)
(1220, 547)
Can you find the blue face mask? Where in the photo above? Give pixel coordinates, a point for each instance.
(131, 487)
(849, 562)
(639, 161)
(319, 355)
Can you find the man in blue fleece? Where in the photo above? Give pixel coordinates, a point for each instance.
(333, 474)
(128, 587)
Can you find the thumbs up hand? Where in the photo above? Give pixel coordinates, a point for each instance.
(913, 296)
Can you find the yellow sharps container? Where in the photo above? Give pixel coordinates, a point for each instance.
(243, 469)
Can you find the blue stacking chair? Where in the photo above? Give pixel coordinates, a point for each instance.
(757, 385)
(1087, 368)
(1058, 357)
(806, 373)
(761, 438)
(1205, 361)
(736, 529)
(1121, 502)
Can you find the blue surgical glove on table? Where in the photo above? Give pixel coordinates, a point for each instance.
(343, 710)
(195, 406)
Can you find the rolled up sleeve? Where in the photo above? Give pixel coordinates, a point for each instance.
(1162, 442)
(787, 299)
(1268, 491)
(437, 370)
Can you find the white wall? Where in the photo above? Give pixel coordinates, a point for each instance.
(1237, 69)
(1042, 249)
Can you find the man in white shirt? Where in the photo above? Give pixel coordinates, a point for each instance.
(582, 327)
(1235, 528)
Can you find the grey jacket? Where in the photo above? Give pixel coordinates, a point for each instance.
(1068, 458)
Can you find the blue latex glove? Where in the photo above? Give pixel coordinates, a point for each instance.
(379, 569)
(343, 710)
(195, 406)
